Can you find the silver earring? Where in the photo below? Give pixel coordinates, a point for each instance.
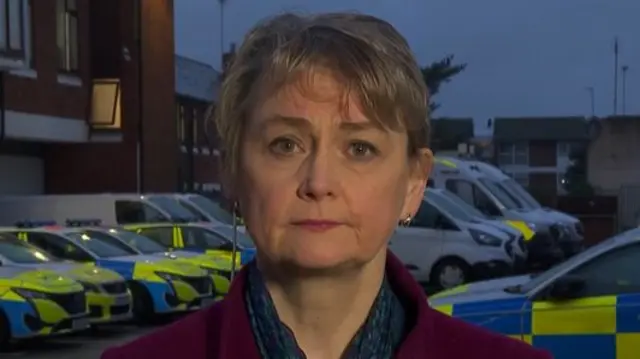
(406, 221)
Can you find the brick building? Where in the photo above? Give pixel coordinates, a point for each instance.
(87, 96)
(536, 151)
(197, 86)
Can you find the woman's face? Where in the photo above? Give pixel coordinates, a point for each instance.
(320, 185)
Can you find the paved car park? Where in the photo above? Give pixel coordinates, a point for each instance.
(82, 346)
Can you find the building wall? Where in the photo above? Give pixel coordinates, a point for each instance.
(543, 170)
(41, 89)
(613, 159)
(77, 168)
(199, 165)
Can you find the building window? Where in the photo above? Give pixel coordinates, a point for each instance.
(521, 177)
(12, 26)
(67, 35)
(195, 124)
(567, 149)
(182, 130)
(513, 153)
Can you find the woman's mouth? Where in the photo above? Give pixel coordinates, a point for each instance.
(316, 225)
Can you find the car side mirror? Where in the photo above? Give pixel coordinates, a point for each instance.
(567, 288)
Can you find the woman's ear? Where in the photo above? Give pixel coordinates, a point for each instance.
(420, 171)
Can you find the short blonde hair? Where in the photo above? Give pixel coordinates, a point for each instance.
(368, 55)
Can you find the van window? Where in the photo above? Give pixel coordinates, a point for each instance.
(195, 212)
(58, 247)
(129, 212)
(161, 235)
(426, 216)
(473, 195)
(202, 238)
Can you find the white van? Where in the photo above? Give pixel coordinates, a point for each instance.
(516, 246)
(110, 208)
(572, 225)
(204, 208)
(442, 249)
(481, 190)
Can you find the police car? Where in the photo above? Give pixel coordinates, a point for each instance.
(585, 307)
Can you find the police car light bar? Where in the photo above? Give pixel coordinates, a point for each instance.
(34, 224)
(83, 222)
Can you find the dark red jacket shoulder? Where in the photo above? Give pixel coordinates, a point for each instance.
(223, 332)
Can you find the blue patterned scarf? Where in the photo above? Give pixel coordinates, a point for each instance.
(378, 338)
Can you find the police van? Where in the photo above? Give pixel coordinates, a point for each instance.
(444, 247)
(110, 208)
(471, 182)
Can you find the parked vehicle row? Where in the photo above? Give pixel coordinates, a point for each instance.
(476, 222)
(57, 279)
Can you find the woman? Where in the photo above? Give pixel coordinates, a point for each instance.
(324, 140)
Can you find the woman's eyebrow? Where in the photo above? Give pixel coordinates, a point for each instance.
(288, 121)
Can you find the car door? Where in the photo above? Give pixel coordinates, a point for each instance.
(593, 311)
(419, 244)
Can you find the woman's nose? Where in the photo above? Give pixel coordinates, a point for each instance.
(318, 179)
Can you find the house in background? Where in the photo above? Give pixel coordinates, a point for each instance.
(197, 86)
(614, 154)
(86, 96)
(536, 151)
(448, 134)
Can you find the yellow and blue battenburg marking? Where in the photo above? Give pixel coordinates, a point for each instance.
(159, 290)
(599, 327)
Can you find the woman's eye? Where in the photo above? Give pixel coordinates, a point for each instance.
(284, 146)
(362, 149)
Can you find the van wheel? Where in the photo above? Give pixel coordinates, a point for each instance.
(5, 332)
(143, 312)
(450, 272)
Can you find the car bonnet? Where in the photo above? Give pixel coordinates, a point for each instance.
(46, 279)
(82, 272)
(479, 291)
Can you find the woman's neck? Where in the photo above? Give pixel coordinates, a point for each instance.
(325, 312)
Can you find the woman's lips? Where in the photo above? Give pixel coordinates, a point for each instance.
(315, 225)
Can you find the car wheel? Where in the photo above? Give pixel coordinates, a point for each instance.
(142, 309)
(450, 272)
(5, 332)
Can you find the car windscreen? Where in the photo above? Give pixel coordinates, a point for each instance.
(227, 232)
(603, 247)
(449, 207)
(173, 207)
(101, 244)
(503, 196)
(17, 251)
(473, 211)
(514, 187)
(213, 208)
(144, 244)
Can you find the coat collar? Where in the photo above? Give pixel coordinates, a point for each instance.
(236, 334)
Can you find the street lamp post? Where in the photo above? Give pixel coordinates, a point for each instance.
(592, 100)
(221, 3)
(624, 69)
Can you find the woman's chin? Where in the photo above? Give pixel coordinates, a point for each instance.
(322, 260)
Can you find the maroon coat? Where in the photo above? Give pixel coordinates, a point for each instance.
(223, 331)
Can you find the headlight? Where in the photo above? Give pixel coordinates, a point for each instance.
(532, 226)
(30, 294)
(485, 239)
(168, 276)
(90, 287)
